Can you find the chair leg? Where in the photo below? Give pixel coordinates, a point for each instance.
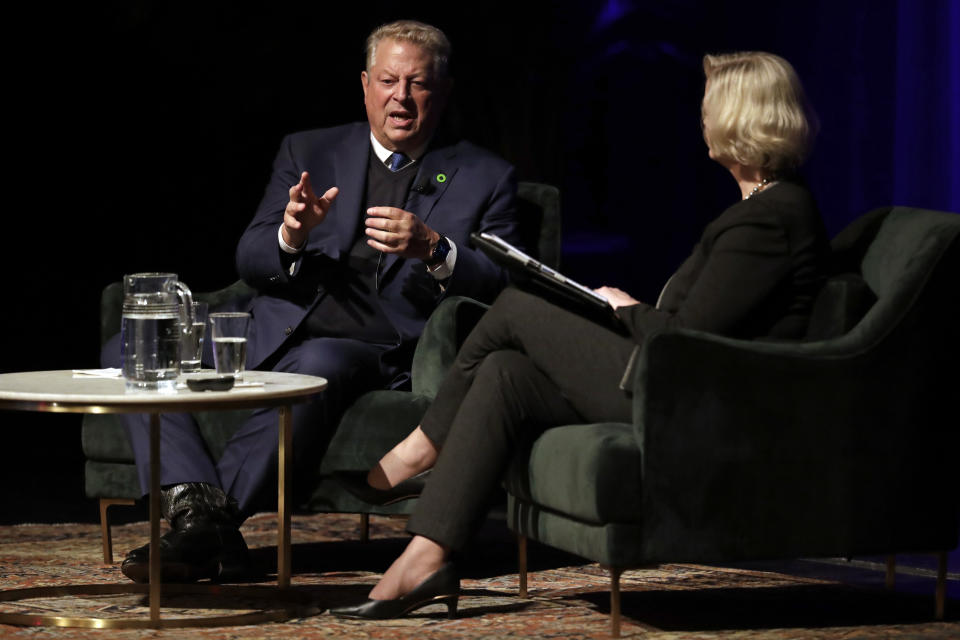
(615, 573)
(891, 571)
(364, 527)
(106, 503)
(941, 594)
(522, 564)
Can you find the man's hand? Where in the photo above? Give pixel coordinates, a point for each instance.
(305, 211)
(616, 297)
(394, 230)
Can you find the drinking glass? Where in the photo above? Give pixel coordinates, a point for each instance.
(229, 333)
(191, 344)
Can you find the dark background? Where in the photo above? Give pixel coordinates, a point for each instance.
(140, 136)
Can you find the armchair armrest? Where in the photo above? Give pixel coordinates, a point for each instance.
(233, 297)
(444, 332)
(111, 308)
(757, 449)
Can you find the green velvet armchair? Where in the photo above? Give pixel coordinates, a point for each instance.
(369, 429)
(380, 419)
(838, 445)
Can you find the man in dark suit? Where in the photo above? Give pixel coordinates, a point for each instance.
(345, 278)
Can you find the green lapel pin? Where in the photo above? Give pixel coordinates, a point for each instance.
(441, 178)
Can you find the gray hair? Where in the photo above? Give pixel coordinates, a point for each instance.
(423, 35)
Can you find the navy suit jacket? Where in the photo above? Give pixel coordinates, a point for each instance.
(458, 189)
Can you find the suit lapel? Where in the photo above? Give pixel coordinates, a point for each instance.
(351, 172)
(437, 169)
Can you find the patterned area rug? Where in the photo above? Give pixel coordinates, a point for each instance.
(568, 598)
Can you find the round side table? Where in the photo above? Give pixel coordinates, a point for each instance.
(66, 392)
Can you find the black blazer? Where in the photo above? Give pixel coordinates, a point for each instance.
(754, 273)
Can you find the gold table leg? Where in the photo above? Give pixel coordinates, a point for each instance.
(522, 564)
(615, 573)
(284, 483)
(941, 592)
(105, 536)
(155, 520)
(291, 604)
(287, 605)
(364, 527)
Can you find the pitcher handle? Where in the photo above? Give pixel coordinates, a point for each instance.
(187, 317)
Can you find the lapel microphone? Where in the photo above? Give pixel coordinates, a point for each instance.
(423, 187)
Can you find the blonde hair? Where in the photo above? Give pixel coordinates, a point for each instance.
(423, 35)
(755, 111)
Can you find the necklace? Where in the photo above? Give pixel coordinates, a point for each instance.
(760, 187)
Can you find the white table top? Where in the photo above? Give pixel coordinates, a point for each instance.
(64, 392)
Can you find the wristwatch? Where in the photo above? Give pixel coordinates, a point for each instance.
(439, 253)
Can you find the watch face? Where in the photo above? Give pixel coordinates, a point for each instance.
(440, 251)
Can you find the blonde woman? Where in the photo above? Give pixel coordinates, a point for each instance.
(529, 365)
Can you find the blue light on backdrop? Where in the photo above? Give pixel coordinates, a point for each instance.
(884, 76)
(927, 130)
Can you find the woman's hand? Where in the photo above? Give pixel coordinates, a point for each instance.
(616, 297)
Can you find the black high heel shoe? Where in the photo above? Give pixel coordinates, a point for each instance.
(355, 482)
(441, 587)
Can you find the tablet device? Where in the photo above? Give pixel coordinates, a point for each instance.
(527, 270)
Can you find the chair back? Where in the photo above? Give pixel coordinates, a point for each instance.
(538, 207)
(903, 352)
(879, 264)
(909, 259)
(231, 298)
(836, 446)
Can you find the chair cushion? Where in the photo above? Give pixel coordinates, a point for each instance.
(590, 471)
(104, 439)
(111, 480)
(842, 302)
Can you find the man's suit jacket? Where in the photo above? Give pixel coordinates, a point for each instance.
(458, 189)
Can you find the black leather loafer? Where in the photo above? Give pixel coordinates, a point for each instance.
(218, 553)
(356, 483)
(441, 587)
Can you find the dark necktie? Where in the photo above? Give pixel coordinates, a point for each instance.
(397, 160)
